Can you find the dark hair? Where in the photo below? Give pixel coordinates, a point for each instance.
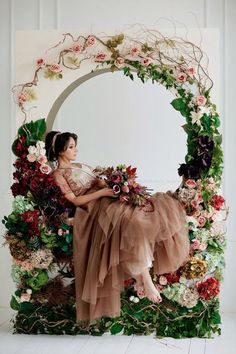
(56, 142)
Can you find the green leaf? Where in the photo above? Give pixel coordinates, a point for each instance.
(116, 328)
(14, 304)
(178, 104)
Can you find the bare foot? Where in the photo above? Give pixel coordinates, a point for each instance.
(151, 291)
(139, 286)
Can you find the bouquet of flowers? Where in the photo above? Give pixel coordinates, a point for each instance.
(122, 180)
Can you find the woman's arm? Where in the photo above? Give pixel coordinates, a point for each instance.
(83, 199)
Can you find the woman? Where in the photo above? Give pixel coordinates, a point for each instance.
(113, 241)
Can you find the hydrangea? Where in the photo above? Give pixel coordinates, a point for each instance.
(189, 297)
(21, 204)
(42, 258)
(214, 260)
(174, 291)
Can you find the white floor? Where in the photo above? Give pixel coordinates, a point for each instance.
(119, 344)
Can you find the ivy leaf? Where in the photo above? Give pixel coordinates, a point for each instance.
(178, 104)
(14, 304)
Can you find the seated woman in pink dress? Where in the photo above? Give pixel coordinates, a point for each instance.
(113, 241)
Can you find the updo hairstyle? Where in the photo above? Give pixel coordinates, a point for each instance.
(56, 142)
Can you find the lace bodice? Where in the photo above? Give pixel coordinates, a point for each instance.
(75, 179)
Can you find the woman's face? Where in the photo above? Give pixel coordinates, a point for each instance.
(71, 150)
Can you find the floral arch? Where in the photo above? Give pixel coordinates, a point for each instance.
(39, 235)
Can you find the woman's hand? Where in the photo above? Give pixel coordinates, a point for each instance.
(107, 192)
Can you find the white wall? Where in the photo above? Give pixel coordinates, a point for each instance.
(74, 14)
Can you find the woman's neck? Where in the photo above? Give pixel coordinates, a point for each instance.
(64, 163)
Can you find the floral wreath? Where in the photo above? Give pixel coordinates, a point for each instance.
(40, 239)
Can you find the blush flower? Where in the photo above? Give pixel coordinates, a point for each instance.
(91, 40)
(31, 157)
(55, 68)
(40, 62)
(201, 221)
(101, 56)
(190, 183)
(42, 159)
(45, 169)
(134, 51)
(76, 48)
(200, 100)
(146, 61)
(191, 71)
(181, 77)
(119, 62)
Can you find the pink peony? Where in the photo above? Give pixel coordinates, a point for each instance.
(42, 159)
(45, 169)
(181, 77)
(55, 68)
(31, 157)
(134, 51)
(119, 62)
(190, 183)
(76, 48)
(40, 62)
(146, 61)
(201, 100)
(91, 40)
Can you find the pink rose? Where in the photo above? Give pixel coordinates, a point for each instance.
(191, 71)
(201, 100)
(22, 97)
(91, 40)
(134, 51)
(146, 61)
(76, 48)
(31, 157)
(42, 159)
(119, 62)
(181, 77)
(201, 221)
(45, 169)
(55, 68)
(101, 57)
(125, 189)
(40, 62)
(190, 183)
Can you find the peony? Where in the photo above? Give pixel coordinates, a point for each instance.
(45, 169)
(55, 68)
(119, 62)
(200, 100)
(146, 61)
(181, 77)
(40, 62)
